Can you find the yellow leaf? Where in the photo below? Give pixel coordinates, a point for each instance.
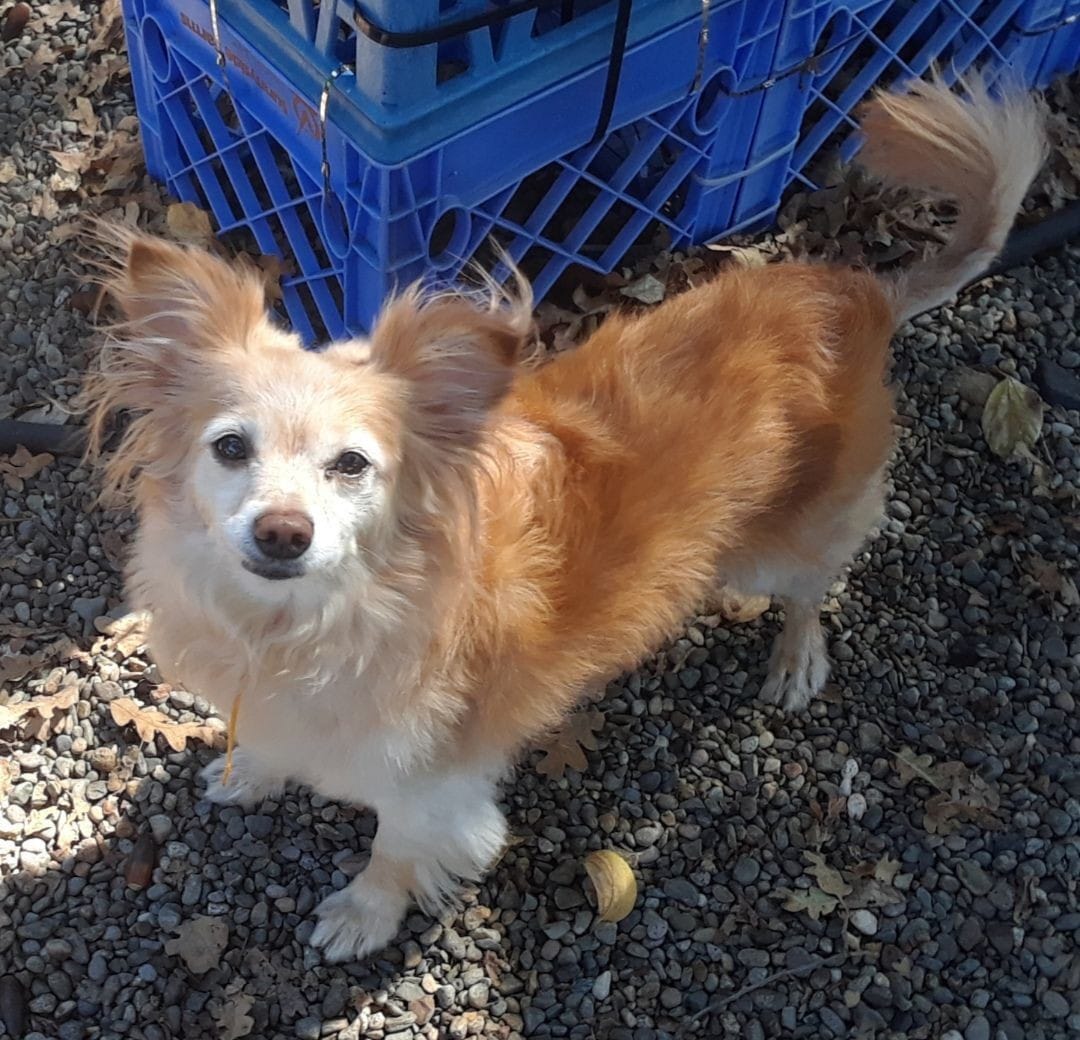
(1012, 418)
(615, 884)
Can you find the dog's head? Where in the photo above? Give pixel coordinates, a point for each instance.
(282, 468)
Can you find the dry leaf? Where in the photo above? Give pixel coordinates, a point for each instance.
(149, 722)
(884, 869)
(565, 746)
(1053, 582)
(829, 879)
(200, 942)
(14, 666)
(126, 634)
(963, 796)
(493, 967)
(86, 116)
(189, 223)
(614, 882)
(20, 465)
(102, 73)
(44, 707)
(72, 162)
(233, 1019)
(944, 813)
(812, 900)
(109, 30)
(8, 171)
(744, 256)
(911, 766)
(872, 893)
(44, 205)
(1012, 418)
(737, 607)
(647, 289)
(42, 58)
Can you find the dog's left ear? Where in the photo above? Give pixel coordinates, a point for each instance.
(185, 295)
(457, 358)
(184, 311)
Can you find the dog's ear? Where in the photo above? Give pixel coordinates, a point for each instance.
(183, 311)
(185, 295)
(457, 357)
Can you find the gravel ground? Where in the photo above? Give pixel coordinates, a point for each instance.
(903, 861)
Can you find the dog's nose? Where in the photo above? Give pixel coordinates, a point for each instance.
(284, 536)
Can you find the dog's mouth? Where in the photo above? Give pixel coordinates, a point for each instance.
(273, 570)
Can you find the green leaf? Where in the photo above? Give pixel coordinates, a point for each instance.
(1012, 418)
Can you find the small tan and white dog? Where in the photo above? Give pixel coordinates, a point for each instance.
(409, 555)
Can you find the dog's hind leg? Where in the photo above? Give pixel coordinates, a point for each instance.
(799, 666)
(799, 576)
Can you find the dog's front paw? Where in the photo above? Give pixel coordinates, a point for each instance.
(358, 920)
(247, 786)
(798, 672)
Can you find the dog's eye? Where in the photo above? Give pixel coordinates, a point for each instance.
(231, 448)
(350, 464)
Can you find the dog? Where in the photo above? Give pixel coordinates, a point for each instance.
(404, 557)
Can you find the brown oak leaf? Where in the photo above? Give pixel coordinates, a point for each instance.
(565, 748)
(149, 722)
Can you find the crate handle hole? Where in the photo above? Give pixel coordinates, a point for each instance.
(831, 49)
(713, 101)
(335, 224)
(157, 50)
(449, 238)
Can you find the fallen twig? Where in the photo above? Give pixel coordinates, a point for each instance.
(723, 1002)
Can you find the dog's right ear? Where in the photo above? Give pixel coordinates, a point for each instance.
(457, 356)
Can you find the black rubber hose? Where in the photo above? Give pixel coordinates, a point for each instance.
(1023, 244)
(39, 437)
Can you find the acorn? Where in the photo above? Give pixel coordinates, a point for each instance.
(15, 20)
(140, 864)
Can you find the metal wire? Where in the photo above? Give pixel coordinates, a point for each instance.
(324, 104)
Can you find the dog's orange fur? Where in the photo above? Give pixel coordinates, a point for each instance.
(669, 445)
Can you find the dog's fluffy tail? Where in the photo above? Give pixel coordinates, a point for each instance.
(981, 151)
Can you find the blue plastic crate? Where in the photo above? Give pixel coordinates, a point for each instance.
(416, 96)
(857, 45)
(385, 174)
(247, 142)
